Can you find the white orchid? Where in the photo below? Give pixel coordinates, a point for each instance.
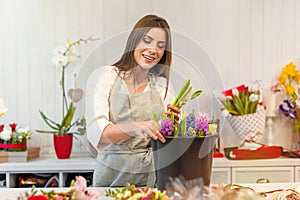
(60, 50)
(59, 60)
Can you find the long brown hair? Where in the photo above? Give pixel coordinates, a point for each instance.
(127, 62)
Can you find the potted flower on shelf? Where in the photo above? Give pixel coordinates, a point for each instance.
(190, 140)
(14, 138)
(63, 131)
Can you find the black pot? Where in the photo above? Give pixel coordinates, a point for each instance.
(190, 157)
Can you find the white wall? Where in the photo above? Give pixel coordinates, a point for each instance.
(247, 40)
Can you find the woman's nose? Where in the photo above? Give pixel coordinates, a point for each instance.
(152, 51)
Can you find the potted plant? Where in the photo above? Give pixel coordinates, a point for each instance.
(189, 146)
(63, 131)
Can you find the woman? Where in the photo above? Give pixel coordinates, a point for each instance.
(125, 95)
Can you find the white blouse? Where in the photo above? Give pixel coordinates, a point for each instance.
(97, 107)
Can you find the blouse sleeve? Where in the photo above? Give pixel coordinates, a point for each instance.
(99, 85)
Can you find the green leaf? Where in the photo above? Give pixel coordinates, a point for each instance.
(238, 105)
(69, 116)
(181, 91)
(183, 127)
(196, 94)
(49, 122)
(48, 132)
(187, 91)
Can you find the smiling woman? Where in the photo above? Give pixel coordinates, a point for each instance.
(125, 95)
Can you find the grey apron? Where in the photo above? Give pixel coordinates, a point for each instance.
(131, 160)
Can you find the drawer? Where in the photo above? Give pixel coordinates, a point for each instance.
(273, 174)
(297, 174)
(220, 175)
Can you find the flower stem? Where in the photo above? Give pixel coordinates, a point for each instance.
(65, 103)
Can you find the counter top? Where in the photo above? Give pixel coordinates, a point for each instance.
(86, 162)
(13, 193)
(51, 162)
(281, 161)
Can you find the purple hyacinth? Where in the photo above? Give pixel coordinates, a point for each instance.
(166, 127)
(202, 122)
(190, 125)
(288, 109)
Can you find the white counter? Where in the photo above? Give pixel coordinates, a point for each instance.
(13, 193)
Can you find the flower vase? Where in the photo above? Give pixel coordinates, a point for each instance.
(63, 145)
(250, 126)
(190, 157)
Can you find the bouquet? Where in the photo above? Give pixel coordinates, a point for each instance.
(13, 138)
(242, 106)
(188, 124)
(288, 81)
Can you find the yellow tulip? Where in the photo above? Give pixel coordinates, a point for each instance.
(289, 89)
(290, 69)
(282, 78)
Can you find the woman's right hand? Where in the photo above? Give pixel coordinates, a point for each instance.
(142, 129)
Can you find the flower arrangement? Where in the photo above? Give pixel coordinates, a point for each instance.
(241, 100)
(63, 57)
(187, 125)
(243, 108)
(13, 138)
(78, 191)
(288, 81)
(130, 192)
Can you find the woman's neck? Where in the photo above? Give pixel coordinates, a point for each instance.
(136, 80)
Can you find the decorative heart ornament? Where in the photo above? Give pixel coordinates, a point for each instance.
(75, 94)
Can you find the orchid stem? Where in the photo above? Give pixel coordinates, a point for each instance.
(65, 103)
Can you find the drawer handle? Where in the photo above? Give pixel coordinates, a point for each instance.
(263, 180)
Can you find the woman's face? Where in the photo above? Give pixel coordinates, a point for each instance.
(151, 48)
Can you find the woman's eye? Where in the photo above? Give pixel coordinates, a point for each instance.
(147, 40)
(161, 45)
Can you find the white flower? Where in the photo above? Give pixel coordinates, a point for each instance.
(24, 130)
(229, 97)
(235, 92)
(213, 128)
(224, 113)
(72, 54)
(60, 50)
(6, 134)
(59, 60)
(3, 108)
(253, 97)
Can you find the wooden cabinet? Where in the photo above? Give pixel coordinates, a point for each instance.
(262, 174)
(276, 170)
